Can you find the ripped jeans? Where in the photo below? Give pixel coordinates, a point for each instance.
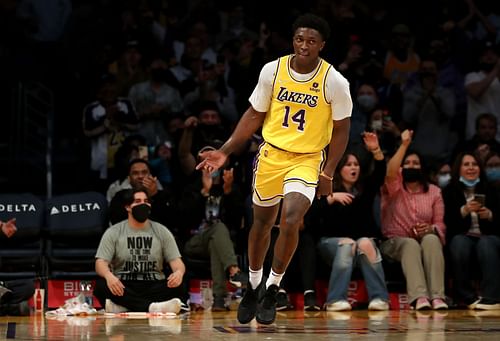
(343, 256)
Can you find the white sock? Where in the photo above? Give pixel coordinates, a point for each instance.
(274, 278)
(254, 277)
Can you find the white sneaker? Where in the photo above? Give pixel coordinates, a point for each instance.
(112, 307)
(341, 305)
(378, 304)
(170, 306)
(487, 305)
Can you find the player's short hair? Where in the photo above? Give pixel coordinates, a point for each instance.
(312, 21)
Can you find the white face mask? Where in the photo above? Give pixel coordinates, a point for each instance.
(377, 125)
(443, 179)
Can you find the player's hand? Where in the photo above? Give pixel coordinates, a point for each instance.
(325, 187)
(115, 285)
(212, 160)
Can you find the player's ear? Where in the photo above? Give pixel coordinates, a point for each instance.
(322, 45)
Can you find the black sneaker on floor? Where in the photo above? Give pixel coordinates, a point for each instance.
(15, 309)
(310, 302)
(282, 301)
(219, 304)
(266, 309)
(248, 304)
(239, 280)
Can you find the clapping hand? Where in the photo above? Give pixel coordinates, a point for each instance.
(9, 228)
(371, 141)
(406, 137)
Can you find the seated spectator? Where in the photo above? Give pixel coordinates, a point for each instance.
(161, 163)
(200, 131)
(381, 123)
(128, 151)
(14, 294)
(347, 237)
(428, 109)
(485, 134)
(441, 174)
(128, 68)
(366, 101)
(106, 122)
(412, 221)
(209, 208)
(130, 261)
(483, 88)
(139, 175)
(471, 216)
(492, 170)
(156, 102)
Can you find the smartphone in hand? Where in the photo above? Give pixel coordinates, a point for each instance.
(480, 198)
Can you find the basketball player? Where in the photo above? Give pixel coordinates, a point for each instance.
(303, 105)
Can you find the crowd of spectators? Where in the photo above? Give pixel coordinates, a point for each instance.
(142, 87)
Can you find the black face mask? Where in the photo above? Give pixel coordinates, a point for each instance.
(412, 174)
(141, 212)
(158, 75)
(486, 67)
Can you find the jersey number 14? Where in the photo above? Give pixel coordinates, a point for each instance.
(298, 118)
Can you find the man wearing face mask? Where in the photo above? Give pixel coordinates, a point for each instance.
(155, 102)
(483, 88)
(492, 169)
(366, 101)
(130, 261)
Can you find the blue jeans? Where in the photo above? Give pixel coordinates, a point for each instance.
(340, 257)
(466, 253)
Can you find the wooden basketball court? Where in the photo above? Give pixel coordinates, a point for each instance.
(290, 325)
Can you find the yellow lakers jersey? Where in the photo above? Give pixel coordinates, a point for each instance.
(299, 119)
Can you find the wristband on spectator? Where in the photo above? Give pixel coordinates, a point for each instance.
(326, 176)
(376, 150)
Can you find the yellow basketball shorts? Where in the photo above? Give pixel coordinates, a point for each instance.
(277, 172)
